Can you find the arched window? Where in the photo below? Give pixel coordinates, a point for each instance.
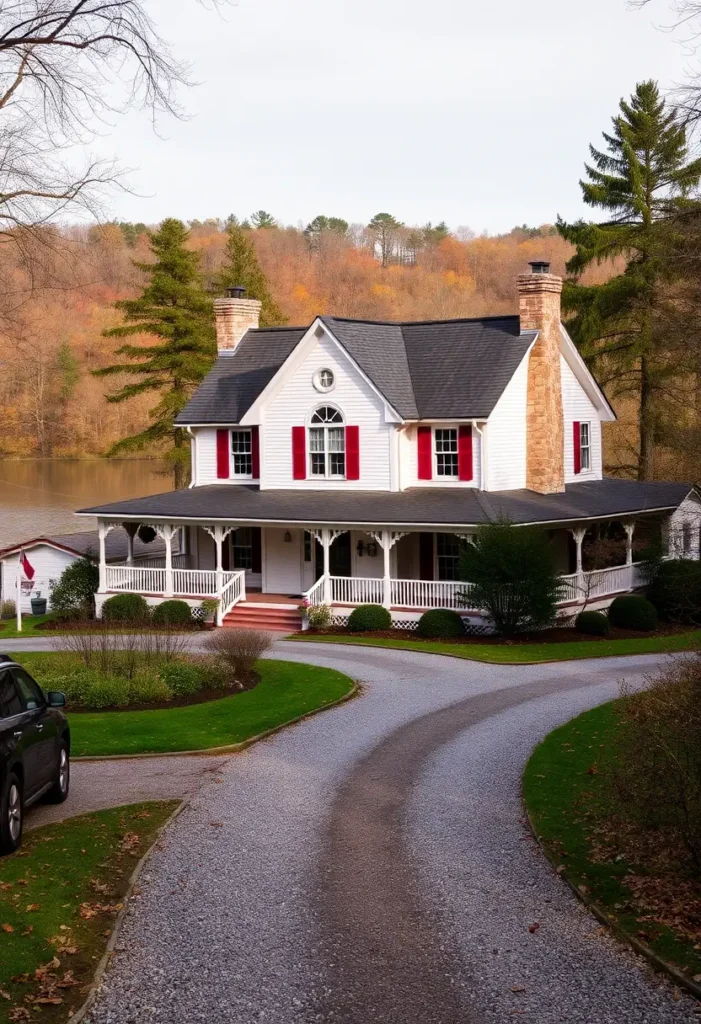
(327, 443)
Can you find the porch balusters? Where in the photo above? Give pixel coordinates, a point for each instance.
(387, 539)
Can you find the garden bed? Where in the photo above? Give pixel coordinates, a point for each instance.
(59, 897)
(556, 635)
(626, 872)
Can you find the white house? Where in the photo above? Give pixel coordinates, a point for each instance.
(50, 555)
(347, 461)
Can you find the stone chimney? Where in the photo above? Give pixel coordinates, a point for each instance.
(233, 316)
(539, 307)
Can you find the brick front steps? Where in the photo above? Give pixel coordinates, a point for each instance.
(282, 618)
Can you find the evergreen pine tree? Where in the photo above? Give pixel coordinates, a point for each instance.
(175, 309)
(242, 269)
(644, 184)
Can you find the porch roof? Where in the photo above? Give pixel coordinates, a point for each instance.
(417, 507)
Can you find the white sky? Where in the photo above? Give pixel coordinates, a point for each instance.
(478, 112)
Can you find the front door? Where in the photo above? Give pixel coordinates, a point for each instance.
(339, 557)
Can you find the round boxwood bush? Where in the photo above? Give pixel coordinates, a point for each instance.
(593, 623)
(632, 612)
(440, 623)
(172, 613)
(675, 590)
(125, 608)
(182, 678)
(369, 616)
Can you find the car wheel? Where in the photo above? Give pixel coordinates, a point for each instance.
(12, 814)
(62, 780)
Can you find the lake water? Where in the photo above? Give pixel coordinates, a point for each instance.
(39, 496)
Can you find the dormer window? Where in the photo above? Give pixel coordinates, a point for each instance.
(327, 443)
(445, 452)
(241, 453)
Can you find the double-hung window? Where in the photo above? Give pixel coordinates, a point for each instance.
(585, 446)
(445, 452)
(241, 453)
(242, 548)
(448, 556)
(327, 443)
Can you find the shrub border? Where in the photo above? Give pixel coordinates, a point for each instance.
(230, 748)
(600, 914)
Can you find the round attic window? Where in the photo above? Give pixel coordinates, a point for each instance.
(324, 380)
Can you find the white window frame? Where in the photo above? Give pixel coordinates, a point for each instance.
(435, 453)
(232, 453)
(323, 429)
(585, 452)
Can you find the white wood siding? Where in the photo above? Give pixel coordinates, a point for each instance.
(505, 435)
(578, 407)
(48, 564)
(293, 406)
(409, 460)
(686, 521)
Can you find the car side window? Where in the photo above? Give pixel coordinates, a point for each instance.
(29, 691)
(10, 701)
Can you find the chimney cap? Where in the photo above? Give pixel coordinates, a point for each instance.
(539, 267)
(238, 292)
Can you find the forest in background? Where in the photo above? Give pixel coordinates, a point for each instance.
(58, 294)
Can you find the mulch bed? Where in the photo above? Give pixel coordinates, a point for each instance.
(559, 635)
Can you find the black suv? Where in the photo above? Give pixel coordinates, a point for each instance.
(35, 745)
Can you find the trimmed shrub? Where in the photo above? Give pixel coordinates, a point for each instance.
(129, 608)
(633, 612)
(593, 623)
(8, 610)
(369, 616)
(75, 589)
(108, 691)
(319, 616)
(441, 623)
(172, 613)
(675, 590)
(148, 687)
(181, 678)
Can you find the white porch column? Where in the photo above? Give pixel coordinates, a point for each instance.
(579, 534)
(387, 576)
(218, 536)
(326, 542)
(131, 529)
(168, 532)
(630, 530)
(102, 532)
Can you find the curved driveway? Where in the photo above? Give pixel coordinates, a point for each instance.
(371, 864)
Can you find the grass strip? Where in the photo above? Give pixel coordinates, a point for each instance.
(286, 691)
(522, 653)
(563, 793)
(59, 896)
(8, 627)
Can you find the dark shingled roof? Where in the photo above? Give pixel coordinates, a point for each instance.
(236, 380)
(438, 369)
(437, 506)
(86, 542)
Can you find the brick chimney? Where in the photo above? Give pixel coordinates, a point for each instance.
(233, 315)
(539, 307)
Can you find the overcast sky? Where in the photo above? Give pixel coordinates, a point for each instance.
(478, 112)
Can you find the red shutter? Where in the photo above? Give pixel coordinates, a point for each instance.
(255, 455)
(223, 445)
(465, 452)
(299, 453)
(352, 453)
(425, 455)
(577, 443)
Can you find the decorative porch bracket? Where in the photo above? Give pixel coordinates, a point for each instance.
(629, 527)
(219, 533)
(166, 531)
(387, 539)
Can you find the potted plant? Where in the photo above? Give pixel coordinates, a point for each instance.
(209, 607)
(38, 604)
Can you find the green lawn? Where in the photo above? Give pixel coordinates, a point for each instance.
(507, 654)
(59, 896)
(8, 627)
(286, 691)
(562, 789)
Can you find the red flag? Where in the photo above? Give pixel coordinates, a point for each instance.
(27, 567)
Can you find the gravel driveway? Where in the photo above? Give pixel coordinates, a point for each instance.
(371, 865)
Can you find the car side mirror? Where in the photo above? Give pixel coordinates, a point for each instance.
(56, 699)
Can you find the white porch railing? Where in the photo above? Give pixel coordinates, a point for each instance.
(416, 594)
(185, 583)
(179, 562)
(233, 590)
